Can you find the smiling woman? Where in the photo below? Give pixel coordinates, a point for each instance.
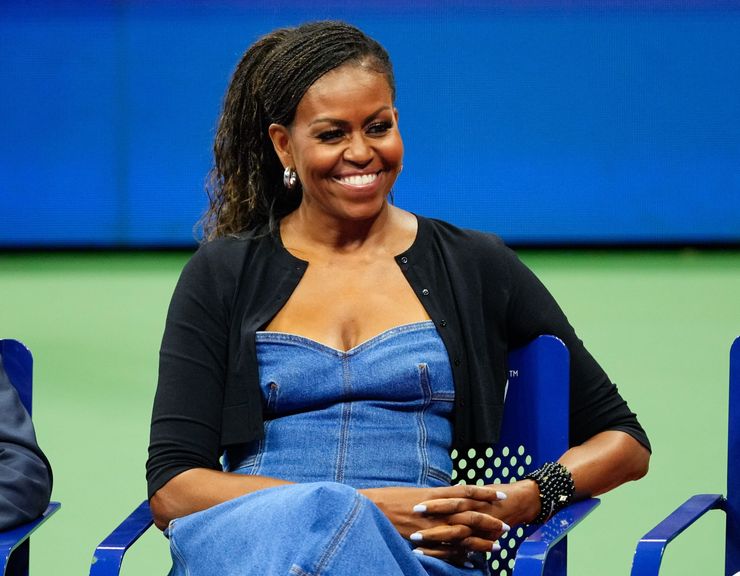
(318, 322)
(344, 144)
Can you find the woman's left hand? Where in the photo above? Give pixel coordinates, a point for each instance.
(449, 522)
(472, 530)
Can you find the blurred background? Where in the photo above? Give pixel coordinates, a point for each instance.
(602, 139)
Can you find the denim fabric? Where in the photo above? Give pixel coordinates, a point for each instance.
(375, 415)
(314, 529)
(328, 411)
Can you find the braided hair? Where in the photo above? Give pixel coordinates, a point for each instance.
(245, 188)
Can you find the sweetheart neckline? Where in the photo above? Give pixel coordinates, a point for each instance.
(272, 336)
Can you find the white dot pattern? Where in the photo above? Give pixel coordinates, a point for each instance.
(498, 465)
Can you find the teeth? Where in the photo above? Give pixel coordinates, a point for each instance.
(359, 179)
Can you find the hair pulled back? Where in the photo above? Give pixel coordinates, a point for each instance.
(245, 187)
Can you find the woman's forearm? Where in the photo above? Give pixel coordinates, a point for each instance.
(600, 464)
(200, 488)
(604, 462)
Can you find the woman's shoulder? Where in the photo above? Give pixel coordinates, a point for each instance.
(473, 243)
(224, 258)
(234, 247)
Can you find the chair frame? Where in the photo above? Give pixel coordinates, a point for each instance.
(542, 553)
(15, 543)
(651, 547)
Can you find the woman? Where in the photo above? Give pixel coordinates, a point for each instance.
(319, 324)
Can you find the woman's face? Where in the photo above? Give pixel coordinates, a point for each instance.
(344, 143)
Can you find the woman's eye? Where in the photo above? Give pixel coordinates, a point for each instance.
(330, 135)
(379, 127)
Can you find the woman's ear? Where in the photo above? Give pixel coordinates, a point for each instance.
(281, 142)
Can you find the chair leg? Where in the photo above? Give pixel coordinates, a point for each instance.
(18, 562)
(557, 560)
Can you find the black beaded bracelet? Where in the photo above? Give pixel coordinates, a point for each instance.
(556, 489)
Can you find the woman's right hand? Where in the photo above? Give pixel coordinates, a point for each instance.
(445, 522)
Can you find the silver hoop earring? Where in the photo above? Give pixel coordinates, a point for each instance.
(290, 178)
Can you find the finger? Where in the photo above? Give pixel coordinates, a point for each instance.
(450, 505)
(483, 493)
(447, 534)
(450, 537)
(449, 553)
(460, 499)
(479, 522)
(477, 544)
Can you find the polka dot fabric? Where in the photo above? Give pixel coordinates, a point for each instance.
(497, 465)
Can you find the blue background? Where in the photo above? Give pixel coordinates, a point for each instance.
(550, 122)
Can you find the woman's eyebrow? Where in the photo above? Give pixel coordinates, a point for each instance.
(339, 122)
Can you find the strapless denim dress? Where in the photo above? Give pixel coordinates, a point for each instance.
(335, 421)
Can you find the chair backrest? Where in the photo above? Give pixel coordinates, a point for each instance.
(534, 431)
(732, 546)
(18, 365)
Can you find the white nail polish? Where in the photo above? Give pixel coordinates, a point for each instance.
(416, 537)
(496, 547)
(420, 508)
(501, 495)
(505, 527)
(419, 552)
(469, 565)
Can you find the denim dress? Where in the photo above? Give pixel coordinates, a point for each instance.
(335, 422)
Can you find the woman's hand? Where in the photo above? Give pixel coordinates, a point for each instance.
(445, 522)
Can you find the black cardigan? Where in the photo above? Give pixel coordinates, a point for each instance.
(480, 296)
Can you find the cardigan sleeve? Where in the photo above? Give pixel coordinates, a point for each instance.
(595, 402)
(186, 417)
(25, 473)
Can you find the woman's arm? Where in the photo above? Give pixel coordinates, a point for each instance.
(604, 462)
(200, 488)
(600, 464)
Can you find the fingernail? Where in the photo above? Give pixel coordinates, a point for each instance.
(419, 552)
(469, 565)
(420, 508)
(416, 537)
(505, 527)
(496, 547)
(501, 495)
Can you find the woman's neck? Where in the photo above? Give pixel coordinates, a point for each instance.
(306, 231)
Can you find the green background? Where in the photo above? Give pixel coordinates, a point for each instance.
(660, 323)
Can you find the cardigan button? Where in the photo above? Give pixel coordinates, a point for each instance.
(443, 323)
(425, 292)
(404, 260)
(457, 361)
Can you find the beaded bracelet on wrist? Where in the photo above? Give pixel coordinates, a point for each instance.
(556, 489)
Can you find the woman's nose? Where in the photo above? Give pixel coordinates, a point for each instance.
(358, 151)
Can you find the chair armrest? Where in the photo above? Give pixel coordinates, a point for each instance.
(650, 548)
(532, 553)
(109, 554)
(11, 539)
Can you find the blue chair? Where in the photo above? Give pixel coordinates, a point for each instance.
(650, 548)
(535, 430)
(15, 543)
